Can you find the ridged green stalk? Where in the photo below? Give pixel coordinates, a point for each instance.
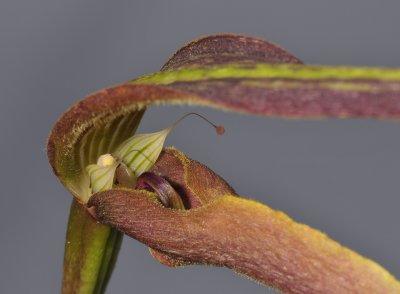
(91, 251)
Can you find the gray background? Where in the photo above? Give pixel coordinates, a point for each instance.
(341, 177)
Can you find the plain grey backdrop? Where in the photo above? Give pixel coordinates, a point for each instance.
(341, 177)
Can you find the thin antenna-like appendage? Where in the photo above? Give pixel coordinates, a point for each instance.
(218, 128)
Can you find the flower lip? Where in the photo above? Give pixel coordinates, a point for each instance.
(163, 189)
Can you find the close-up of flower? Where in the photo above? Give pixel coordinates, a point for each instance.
(94, 139)
(187, 188)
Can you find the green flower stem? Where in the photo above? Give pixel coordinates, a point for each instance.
(91, 250)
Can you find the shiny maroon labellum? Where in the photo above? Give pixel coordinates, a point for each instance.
(164, 191)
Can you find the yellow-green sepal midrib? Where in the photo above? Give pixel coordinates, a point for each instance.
(269, 71)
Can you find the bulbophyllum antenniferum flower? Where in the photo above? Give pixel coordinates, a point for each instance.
(93, 149)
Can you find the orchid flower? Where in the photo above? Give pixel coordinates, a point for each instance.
(210, 224)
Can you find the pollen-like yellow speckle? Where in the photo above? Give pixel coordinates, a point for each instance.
(105, 160)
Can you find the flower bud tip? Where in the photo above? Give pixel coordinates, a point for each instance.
(220, 130)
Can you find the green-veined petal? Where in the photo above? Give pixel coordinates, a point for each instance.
(101, 177)
(141, 151)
